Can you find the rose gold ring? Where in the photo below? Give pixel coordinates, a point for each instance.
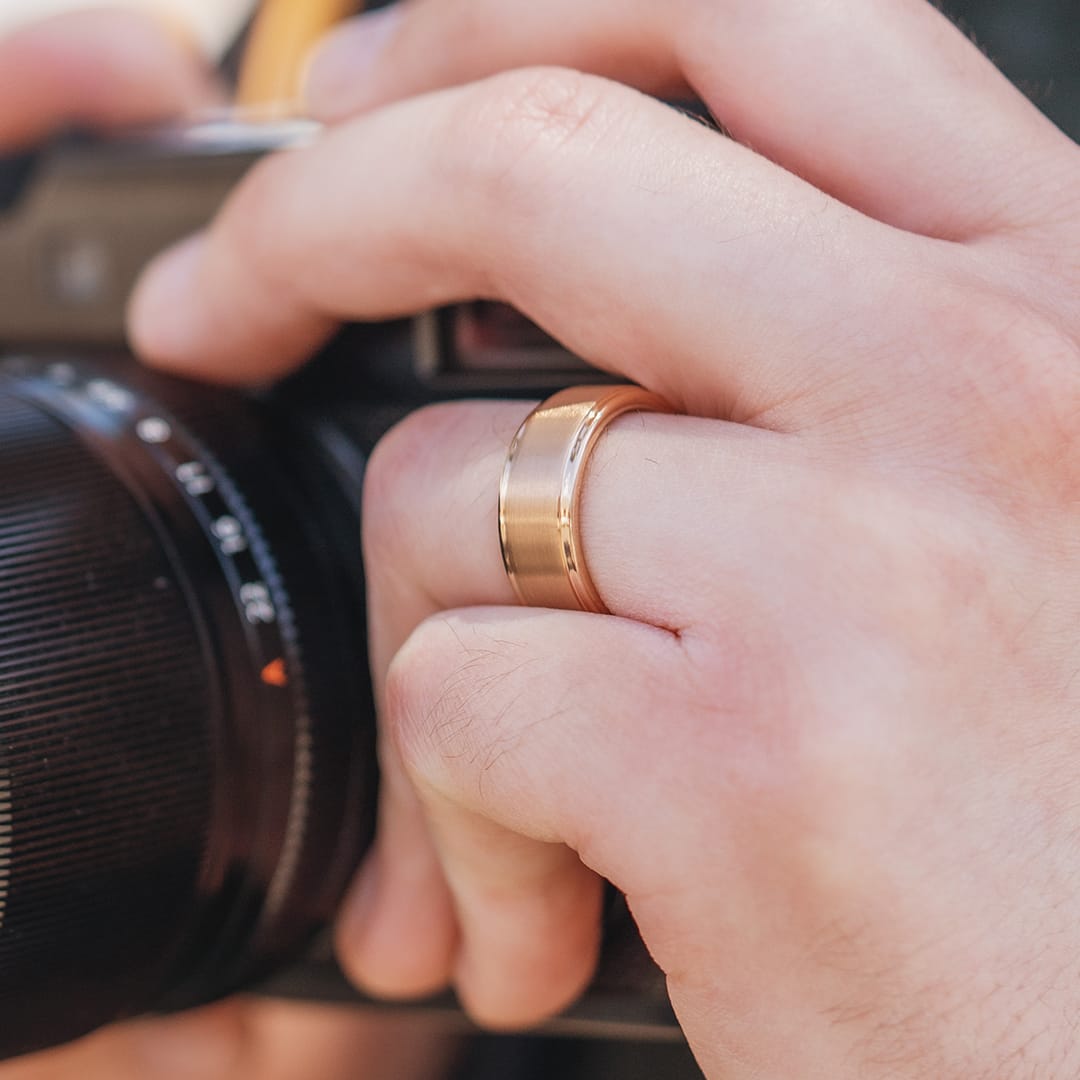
(540, 493)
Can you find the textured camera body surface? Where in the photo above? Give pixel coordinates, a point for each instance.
(81, 217)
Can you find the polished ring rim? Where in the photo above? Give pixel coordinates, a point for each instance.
(540, 493)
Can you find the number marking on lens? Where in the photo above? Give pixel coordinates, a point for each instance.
(154, 430)
(258, 605)
(63, 374)
(196, 480)
(110, 396)
(230, 535)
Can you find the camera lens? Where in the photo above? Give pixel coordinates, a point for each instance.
(186, 731)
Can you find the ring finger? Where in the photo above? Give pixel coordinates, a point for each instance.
(431, 544)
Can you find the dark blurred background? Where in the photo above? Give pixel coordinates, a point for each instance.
(1036, 43)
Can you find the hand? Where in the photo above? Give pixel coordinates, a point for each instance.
(110, 69)
(104, 69)
(827, 743)
(249, 1040)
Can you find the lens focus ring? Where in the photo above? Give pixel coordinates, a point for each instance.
(186, 775)
(105, 745)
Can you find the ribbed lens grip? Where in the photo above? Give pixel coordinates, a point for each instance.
(105, 744)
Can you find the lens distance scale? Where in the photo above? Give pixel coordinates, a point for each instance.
(286, 795)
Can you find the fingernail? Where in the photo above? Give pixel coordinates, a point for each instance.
(337, 78)
(162, 316)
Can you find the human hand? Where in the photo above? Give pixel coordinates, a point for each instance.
(827, 742)
(252, 1040)
(108, 68)
(112, 69)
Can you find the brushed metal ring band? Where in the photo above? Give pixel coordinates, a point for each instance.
(540, 493)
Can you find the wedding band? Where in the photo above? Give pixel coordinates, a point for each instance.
(540, 493)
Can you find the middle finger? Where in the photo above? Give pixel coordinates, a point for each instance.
(577, 200)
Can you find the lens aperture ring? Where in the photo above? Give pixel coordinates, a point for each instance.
(252, 651)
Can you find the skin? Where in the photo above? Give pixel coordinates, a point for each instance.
(113, 69)
(826, 742)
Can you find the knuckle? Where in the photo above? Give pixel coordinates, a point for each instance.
(450, 701)
(516, 128)
(1048, 384)
(430, 704)
(1018, 370)
(799, 766)
(754, 692)
(820, 782)
(410, 699)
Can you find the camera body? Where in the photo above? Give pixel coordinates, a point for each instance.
(196, 812)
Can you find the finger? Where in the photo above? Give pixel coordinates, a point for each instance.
(484, 192)
(521, 731)
(260, 1040)
(105, 68)
(397, 935)
(885, 105)
(431, 514)
(529, 914)
(401, 931)
(431, 544)
(292, 1041)
(208, 1044)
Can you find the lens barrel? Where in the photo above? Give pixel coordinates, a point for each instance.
(186, 729)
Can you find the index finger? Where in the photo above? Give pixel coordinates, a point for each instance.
(644, 242)
(104, 68)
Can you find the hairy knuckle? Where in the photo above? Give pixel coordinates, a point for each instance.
(437, 687)
(412, 701)
(452, 698)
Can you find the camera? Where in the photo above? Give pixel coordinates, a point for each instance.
(187, 732)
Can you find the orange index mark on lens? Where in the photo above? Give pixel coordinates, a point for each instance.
(274, 674)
